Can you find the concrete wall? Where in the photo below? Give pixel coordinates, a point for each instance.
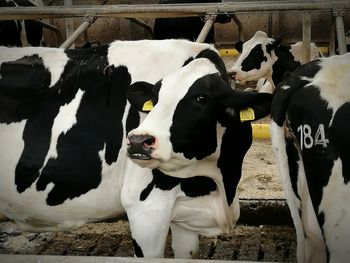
(289, 24)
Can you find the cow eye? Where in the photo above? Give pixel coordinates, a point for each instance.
(202, 99)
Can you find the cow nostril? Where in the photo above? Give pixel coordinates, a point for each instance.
(232, 74)
(149, 142)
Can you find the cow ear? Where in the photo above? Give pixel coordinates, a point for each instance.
(274, 44)
(239, 46)
(140, 95)
(245, 106)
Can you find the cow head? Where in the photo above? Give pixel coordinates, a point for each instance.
(256, 59)
(188, 107)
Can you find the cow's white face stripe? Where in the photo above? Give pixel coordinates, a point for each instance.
(54, 59)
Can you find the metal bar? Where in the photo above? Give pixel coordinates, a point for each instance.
(139, 22)
(240, 27)
(339, 24)
(170, 10)
(206, 28)
(50, 27)
(69, 21)
(69, 41)
(306, 36)
(332, 37)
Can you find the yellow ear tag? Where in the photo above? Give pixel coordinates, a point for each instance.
(247, 114)
(148, 106)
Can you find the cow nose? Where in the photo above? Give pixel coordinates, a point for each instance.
(141, 146)
(232, 75)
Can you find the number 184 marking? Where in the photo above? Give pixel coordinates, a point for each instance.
(306, 139)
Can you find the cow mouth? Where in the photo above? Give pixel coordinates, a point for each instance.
(139, 156)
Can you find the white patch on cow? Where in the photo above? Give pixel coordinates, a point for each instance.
(279, 147)
(284, 87)
(12, 144)
(265, 71)
(54, 59)
(159, 120)
(306, 79)
(120, 53)
(297, 52)
(333, 80)
(336, 209)
(64, 121)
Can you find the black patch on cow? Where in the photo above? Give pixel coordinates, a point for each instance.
(339, 138)
(215, 58)
(192, 187)
(198, 140)
(293, 158)
(284, 65)
(137, 249)
(318, 160)
(132, 120)
(77, 168)
(23, 84)
(188, 61)
(235, 143)
(254, 59)
(294, 82)
(273, 45)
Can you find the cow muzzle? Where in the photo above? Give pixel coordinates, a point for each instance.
(140, 147)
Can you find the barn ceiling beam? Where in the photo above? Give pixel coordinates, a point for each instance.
(170, 10)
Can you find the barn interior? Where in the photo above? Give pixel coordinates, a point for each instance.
(265, 231)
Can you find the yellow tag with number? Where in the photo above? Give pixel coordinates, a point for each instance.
(147, 106)
(247, 114)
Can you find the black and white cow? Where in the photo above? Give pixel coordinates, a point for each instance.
(310, 134)
(264, 57)
(185, 27)
(64, 118)
(20, 32)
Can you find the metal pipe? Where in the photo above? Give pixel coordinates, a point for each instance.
(139, 22)
(240, 27)
(306, 36)
(170, 10)
(69, 21)
(210, 19)
(332, 37)
(339, 24)
(69, 41)
(50, 27)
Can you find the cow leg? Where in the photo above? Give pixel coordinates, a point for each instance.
(185, 242)
(149, 230)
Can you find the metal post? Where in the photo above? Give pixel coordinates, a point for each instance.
(69, 41)
(306, 36)
(339, 24)
(69, 21)
(332, 37)
(240, 27)
(206, 28)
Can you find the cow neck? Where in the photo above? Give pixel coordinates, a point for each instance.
(283, 65)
